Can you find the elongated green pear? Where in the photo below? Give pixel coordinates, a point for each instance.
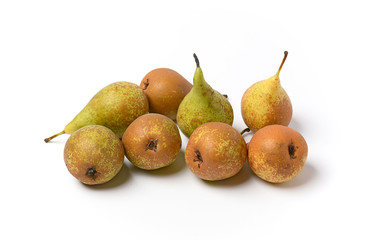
(266, 103)
(202, 104)
(115, 107)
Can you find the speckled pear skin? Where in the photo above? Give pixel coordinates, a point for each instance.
(266, 103)
(215, 151)
(152, 141)
(115, 107)
(165, 89)
(201, 105)
(277, 153)
(93, 154)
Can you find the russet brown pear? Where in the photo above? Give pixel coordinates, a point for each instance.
(152, 141)
(93, 154)
(277, 153)
(215, 151)
(165, 89)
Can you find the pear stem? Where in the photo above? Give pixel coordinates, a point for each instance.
(282, 63)
(245, 130)
(197, 61)
(54, 136)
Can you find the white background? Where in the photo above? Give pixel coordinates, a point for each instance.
(55, 55)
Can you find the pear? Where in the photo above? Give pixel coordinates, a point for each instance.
(277, 153)
(266, 103)
(202, 104)
(115, 107)
(215, 151)
(93, 154)
(152, 141)
(165, 89)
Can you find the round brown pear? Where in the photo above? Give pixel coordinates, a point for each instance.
(152, 141)
(215, 151)
(165, 89)
(277, 153)
(94, 154)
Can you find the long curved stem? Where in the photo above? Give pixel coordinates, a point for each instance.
(54, 136)
(282, 63)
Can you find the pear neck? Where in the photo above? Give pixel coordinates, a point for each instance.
(199, 81)
(275, 82)
(276, 78)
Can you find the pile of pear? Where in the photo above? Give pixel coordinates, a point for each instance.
(142, 122)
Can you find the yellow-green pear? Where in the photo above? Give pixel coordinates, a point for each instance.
(202, 104)
(266, 103)
(115, 107)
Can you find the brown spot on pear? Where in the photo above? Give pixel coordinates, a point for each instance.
(266, 103)
(215, 151)
(277, 153)
(165, 89)
(152, 141)
(93, 154)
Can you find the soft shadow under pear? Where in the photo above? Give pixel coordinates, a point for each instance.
(241, 177)
(174, 168)
(118, 180)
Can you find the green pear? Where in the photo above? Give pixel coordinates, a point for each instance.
(202, 104)
(266, 103)
(115, 107)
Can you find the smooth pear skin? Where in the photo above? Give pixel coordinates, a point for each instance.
(266, 103)
(215, 151)
(201, 105)
(115, 107)
(277, 153)
(152, 141)
(93, 154)
(165, 89)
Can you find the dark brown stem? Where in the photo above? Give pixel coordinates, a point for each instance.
(226, 96)
(245, 130)
(54, 136)
(197, 61)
